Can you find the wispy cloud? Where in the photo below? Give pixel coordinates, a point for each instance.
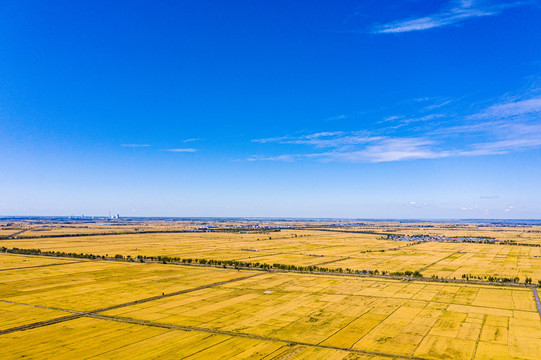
(503, 146)
(354, 148)
(501, 128)
(337, 117)
(182, 150)
(393, 149)
(438, 104)
(455, 12)
(134, 145)
(401, 121)
(324, 139)
(191, 140)
(510, 109)
(417, 205)
(285, 158)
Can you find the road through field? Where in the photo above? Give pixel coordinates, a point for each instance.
(44, 265)
(537, 302)
(140, 301)
(249, 336)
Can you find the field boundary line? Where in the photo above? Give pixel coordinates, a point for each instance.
(244, 335)
(349, 323)
(43, 265)
(41, 307)
(11, 236)
(381, 322)
(276, 353)
(40, 324)
(158, 297)
(332, 261)
(287, 352)
(479, 336)
(143, 232)
(388, 297)
(429, 330)
(277, 270)
(347, 231)
(435, 262)
(260, 254)
(536, 297)
(100, 355)
(113, 307)
(204, 349)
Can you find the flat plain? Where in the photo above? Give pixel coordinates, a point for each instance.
(73, 308)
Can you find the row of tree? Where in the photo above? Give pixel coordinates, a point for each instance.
(213, 262)
(514, 280)
(250, 265)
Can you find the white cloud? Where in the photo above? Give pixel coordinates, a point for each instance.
(406, 121)
(287, 158)
(503, 146)
(438, 105)
(337, 117)
(373, 149)
(187, 150)
(351, 147)
(324, 139)
(391, 149)
(504, 127)
(456, 12)
(510, 109)
(134, 145)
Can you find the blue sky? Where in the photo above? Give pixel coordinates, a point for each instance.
(359, 109)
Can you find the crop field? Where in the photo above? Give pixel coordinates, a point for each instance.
(8, 261)
(357, 251)
(7, 232)
(250, 314)
(84, 284)
(290, 247)
(74, 308)
(521, 234)
(13, 315)
(411, 318)
(91, 228)
(286, 241)
(452, 260)
(98, 339)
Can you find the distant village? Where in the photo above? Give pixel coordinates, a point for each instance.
(439, 238)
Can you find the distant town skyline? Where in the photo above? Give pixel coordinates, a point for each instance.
(323, 109)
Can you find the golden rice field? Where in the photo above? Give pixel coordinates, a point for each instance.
(332, 249)
(411, 318)
(269, 315)
(451, 260)
(83, 285)
(7, 232)
(22, 261)
(87, 338)
(70, 308)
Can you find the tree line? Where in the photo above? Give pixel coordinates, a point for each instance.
(252, 265)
